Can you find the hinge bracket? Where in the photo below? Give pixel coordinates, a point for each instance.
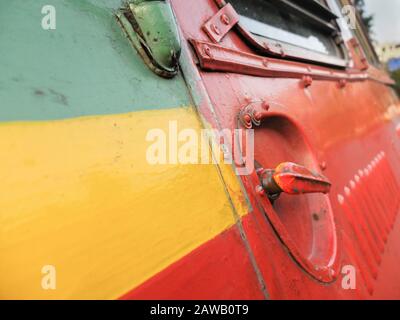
(151, 28)
(221, 23)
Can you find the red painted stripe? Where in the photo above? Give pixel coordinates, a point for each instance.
(219, 269)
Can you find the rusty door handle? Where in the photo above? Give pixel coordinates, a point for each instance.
(292, 178)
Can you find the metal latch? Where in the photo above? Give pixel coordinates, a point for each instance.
(151, 27)
(292, 178)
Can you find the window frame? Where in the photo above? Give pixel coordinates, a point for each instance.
(279, 48)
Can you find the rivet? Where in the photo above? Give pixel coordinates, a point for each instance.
(225, 19)
(247, 98)
(215, 29)
(307, 80)
(265, 105)
(207, 51)
(342, 83)
(247, 118)
(258, 116)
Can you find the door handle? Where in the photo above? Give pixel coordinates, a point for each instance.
(292, 178)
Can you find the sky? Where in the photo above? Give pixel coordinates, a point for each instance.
(386, 19)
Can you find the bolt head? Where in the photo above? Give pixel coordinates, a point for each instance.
(207, 51)
(265, 105)
(247, 118)
(225, 19)
(215, 29)
(307, 80)
(266, 46)
(248, 99)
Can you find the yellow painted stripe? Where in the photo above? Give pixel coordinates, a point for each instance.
(79, 194)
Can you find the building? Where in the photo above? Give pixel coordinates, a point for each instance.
(388, 51)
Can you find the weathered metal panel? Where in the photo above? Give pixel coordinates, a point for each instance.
(77, 191)
(350, 126)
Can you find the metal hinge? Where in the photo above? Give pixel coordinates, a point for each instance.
(151, 28)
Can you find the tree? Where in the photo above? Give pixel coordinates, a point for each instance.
(366, 18)
(396, 77)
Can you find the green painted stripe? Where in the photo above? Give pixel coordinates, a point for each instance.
(84, 67)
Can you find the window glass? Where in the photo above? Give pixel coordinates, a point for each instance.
(297, 26)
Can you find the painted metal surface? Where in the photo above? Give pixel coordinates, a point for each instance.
(93, 216)
(344, 117)
(216, 269)
(80, 69)
(78, 193)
